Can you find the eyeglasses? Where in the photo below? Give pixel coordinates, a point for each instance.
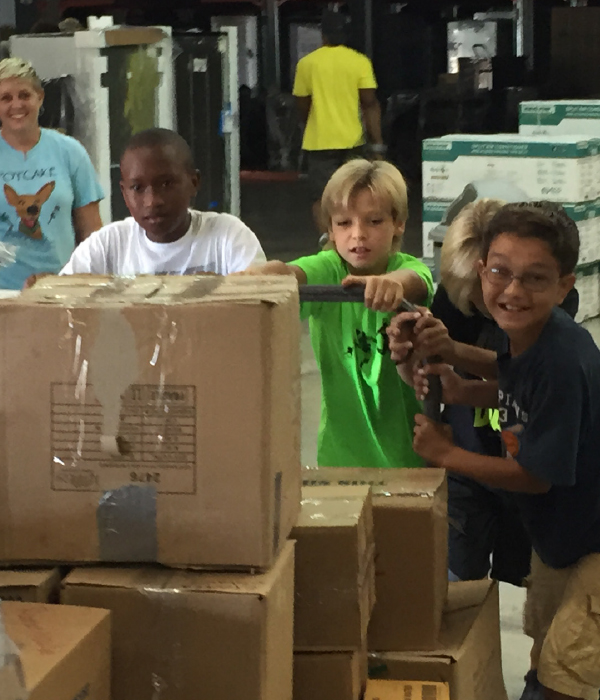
(502, 277)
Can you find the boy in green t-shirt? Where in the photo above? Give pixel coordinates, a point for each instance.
(367, 414)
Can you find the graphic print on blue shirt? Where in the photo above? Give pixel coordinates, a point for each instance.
(39, 191)
(29, 208)
(549, 403)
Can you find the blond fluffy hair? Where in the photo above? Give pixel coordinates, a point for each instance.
(461, 251)
(21, 70)
(383, 180)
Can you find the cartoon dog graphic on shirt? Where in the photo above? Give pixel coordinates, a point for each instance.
(29, 207)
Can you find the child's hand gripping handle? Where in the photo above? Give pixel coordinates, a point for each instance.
(333, 293)
(432, 404)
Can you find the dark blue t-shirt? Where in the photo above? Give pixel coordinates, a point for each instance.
(549, 400)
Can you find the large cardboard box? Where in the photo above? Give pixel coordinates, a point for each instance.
(556, 168)
(54, 652)
(468, 656)
(401, 690)
(30, 585)
(335, 568)
(190, 634)
(150, 419)
(330, 676)
(410, 509)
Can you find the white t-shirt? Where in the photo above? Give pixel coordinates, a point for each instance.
(218, 243)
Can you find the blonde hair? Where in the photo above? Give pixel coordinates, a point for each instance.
(383, 180)
(461, 251)
(20, 69)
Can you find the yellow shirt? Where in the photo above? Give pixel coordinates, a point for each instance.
(332, 77)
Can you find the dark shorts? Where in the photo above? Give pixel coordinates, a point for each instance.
(322, 165)
(486, 535)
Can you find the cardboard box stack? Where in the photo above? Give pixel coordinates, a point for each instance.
(162, 436)
(422, 630)
(411, 564)
(468, 655)
(559, 167)
(334, 592)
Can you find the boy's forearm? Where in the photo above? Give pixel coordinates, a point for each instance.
(415, 289)
(477, 361)
(496, 472)
(479, 393)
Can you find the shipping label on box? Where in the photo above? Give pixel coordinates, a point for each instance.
(54, 651)
(158, 436)
(411, 573)
(223, 636)
(555, 169)
(406, 690)
(335, 575)
(551, 118)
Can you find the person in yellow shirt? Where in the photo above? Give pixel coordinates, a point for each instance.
(334, 86)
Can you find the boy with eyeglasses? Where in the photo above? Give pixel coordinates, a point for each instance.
(548, 395)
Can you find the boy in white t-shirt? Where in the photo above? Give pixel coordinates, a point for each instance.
(163, 235)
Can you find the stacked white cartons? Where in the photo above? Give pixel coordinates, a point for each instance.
(560, 168)
(581, 117)
(556, 117)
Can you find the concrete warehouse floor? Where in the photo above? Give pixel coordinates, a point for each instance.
(279, 213)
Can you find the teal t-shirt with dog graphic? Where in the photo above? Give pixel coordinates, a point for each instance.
(38, 192)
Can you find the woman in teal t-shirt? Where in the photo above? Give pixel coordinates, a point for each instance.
(49, 191)
(367, 414)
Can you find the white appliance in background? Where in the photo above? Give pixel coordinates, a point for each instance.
(247, 49)
(304, 38)
(472, 39)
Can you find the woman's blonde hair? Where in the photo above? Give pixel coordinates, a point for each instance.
(461, 251)
(18, 68)
(383, 180)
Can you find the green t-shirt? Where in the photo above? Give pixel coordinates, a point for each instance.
(367, 411)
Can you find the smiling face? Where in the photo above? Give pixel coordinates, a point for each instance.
(20, 104)
(363, 233)
(158, 190)
(521, 307)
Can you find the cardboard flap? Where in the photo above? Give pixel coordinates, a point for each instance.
(232, 583)
(384, 482)
(25, 577)
(109, 577)
(106, 290)
(332, 506)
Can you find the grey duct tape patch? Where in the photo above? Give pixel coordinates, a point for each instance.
(12, 678)
(126, 520)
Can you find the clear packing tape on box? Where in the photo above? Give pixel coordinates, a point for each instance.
(104, 375)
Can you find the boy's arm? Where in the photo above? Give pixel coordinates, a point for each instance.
(276, 267)
(90, 257)
(433, 444)
(477, 361)
(431, 337)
